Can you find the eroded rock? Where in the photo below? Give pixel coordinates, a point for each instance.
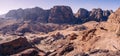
(14, 46)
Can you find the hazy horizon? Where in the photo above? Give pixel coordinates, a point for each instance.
(6, 5)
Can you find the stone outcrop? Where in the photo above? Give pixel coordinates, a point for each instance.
(61, 14)
(14, 46)
(115, 17)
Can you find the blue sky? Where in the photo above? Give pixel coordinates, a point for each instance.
(6, 5)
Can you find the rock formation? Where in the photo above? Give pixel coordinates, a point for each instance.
(82, 15)
(61, 14)
(32, 14)
(57, 14)
(14, 46)
(93, 15)
(115, 17)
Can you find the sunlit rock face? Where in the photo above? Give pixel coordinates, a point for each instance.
(115, 17)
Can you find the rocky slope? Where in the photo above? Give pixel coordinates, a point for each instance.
(78, 40)
(21, 28)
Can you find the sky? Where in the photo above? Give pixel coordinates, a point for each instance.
(6, 5)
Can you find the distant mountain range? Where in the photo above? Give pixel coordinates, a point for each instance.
(2, 16)
(59, 15)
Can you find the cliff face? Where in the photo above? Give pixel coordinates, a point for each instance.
(57, 14)
(32, 14)
(82, 15)
(94, 15)
(61, 14)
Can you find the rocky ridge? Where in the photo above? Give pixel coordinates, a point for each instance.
(93, 15)
(33, 19)
(60, 15)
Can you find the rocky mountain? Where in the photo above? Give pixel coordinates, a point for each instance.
(60, 15)
(82, 15)
(32, 14)
(115, 17)
(93, 15)
(57, 14)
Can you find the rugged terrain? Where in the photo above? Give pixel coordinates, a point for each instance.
(60, 32)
